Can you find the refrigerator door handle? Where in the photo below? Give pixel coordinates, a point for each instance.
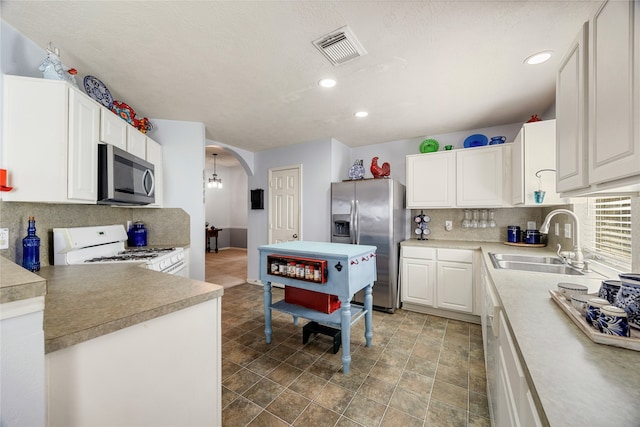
(352, 225)
(357, 216)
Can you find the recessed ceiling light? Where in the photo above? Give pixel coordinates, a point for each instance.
(538, 58)
(361, 114)
(327, 83)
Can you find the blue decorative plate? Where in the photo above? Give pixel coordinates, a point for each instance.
(475, 140)
(98, 91)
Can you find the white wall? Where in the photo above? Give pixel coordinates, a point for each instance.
(18, 56)
(395, 152)
(316, 160)
(227, 207)
(183, 162)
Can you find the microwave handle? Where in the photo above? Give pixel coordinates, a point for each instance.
(144, 180)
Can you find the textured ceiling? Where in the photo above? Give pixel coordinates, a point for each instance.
(249, 70)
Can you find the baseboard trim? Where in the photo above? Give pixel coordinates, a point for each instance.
(454, 315)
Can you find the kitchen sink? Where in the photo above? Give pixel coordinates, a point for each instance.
(526, 258)
(532, 263)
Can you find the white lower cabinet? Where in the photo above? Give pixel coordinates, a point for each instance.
(515, 406)
(454, 288)
(418, 275)
(437, 278)
(140, 376)
(510, 397)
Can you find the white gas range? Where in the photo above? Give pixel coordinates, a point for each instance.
(106, 244)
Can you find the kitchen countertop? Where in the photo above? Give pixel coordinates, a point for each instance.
(87, 301)
(17, 283)
(575, 381)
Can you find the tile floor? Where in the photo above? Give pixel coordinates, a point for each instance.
(421, 370)
(226, 268)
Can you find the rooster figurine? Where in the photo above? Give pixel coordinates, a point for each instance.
(380, 171)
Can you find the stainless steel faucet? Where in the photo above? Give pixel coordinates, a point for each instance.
(576, 258)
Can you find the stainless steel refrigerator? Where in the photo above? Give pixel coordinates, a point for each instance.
(372, 212)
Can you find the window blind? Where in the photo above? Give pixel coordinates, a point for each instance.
(608, 229)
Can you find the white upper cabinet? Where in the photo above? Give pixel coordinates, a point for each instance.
(113, 130)
(473, 177)
(481, 179)
(84, 130)
(136, 142)
(598, 104)
(571, 116)
(533, 163)
(50, 136)
(154, 156)
(614, 102)
(431, 180)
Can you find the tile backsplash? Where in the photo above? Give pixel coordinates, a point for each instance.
(503, 217)
(166, 227)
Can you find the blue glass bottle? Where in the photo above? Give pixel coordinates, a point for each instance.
(31, 248)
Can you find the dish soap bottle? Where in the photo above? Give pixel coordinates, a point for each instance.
(31, 248)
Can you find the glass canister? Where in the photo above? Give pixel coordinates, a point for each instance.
(137, 235)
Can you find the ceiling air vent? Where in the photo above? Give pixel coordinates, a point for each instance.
(340, 46)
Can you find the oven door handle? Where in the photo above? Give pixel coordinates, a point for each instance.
(148, 173)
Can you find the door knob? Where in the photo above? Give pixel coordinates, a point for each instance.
(295, 236)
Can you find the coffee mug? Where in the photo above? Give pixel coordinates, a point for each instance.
(613, 321)
(593, 311)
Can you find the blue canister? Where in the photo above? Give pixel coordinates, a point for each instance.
(532, 237)
(513, 234)
(137, 235)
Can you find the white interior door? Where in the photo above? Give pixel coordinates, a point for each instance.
(284, 204)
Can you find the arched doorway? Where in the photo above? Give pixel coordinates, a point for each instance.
(226, 209)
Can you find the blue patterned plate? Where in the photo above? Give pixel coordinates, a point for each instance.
(475, 140)
(98, 91)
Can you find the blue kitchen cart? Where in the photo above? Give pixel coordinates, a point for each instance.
(346, 269)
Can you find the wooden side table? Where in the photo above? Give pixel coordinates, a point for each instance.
(212, 232)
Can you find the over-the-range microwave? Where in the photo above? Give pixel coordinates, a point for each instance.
(124, 179)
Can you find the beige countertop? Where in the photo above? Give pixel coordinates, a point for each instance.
(17, 283)
(576, 381)
(87, 301)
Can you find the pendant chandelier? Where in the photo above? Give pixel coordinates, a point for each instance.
(214, 181)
